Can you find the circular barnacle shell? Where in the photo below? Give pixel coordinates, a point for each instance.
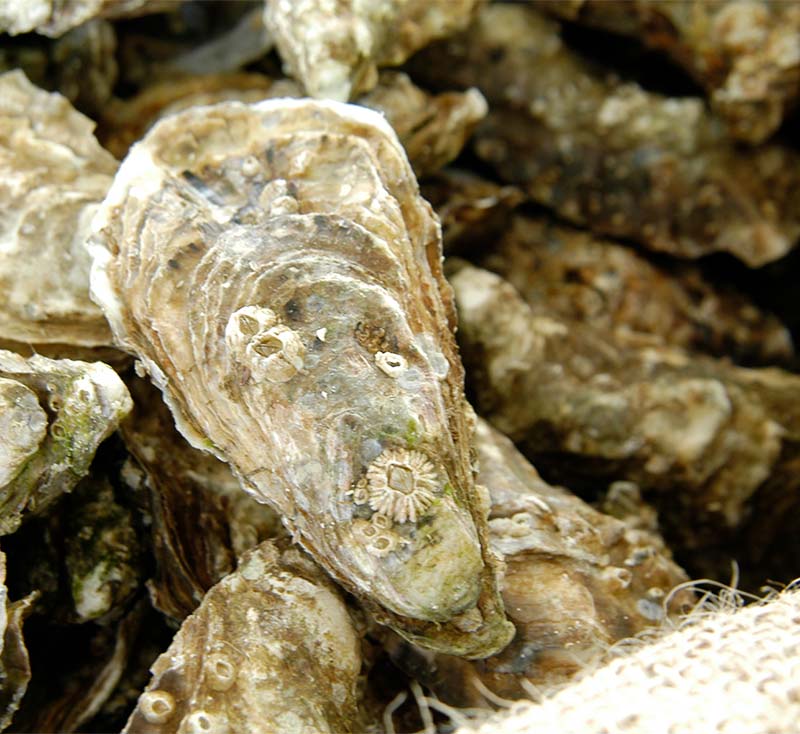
(392, 364)
(157, 706)
(402, 484)
(220, 671)
(221, 280)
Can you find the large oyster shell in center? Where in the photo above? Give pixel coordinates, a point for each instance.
(278, 274)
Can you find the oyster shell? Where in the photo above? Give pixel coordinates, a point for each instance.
(101, 551)
(745, 54)
(432, 128)
(271, 648)
(335, 48)
(609, 155)
(726, 669)
(575, 582)
(311, 369)
(53, 174)
(187, 491)
(15, 669)
(575, 275)
(55, 17)
(699, 436)
(50, 445)
(473, 211)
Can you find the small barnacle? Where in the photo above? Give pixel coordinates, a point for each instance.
(157, 706)
(273, 351)
(402, 484)
(381, 521)
(220, 672)
(201, 722)
(392, 364)
(360, 492)
(384, 543)
(378, 539)
(364, 531)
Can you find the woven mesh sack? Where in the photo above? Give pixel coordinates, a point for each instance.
(736, 672)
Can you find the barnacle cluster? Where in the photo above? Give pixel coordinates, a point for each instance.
(241, 486)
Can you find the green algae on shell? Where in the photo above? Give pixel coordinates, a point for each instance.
(83, 403)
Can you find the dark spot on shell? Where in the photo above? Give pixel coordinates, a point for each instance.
(173, 263)
(293, 310)
(270, 153)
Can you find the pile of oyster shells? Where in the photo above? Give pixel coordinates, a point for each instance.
(241, 487)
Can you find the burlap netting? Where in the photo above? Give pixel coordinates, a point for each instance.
(736, 672)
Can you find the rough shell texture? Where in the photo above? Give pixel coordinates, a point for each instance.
(55, 17)
(81, 404)
(334, 47)
(53, 174)
(610, 155)
(599, 283)
(67, 694)
(15, 669)
(575, 582)
(745, 53)
(474, 212)
(271, 648)
(279, 276)
(432, 128)
(201, 520)
(101, 550)
(699, 436)
(729, 671)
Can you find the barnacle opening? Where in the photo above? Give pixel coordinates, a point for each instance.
(156, 706)
(402, 484)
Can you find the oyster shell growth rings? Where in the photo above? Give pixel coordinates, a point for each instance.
(277, 273)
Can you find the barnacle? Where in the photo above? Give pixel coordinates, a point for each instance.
(334, 48)
(232, 237)
(569, 580)
(402, 484)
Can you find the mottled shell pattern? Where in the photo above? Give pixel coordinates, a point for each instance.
(277, 273)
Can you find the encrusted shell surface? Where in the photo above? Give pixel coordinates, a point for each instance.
(271, 648)
(335, 48)
(257, 259)
(611, 155)
(746, 53)
(575, 581)
(432, 128)
(50, 445)
(201, 519)
(54, 17)
(703, 439)
(609, 286)
(53, 175)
